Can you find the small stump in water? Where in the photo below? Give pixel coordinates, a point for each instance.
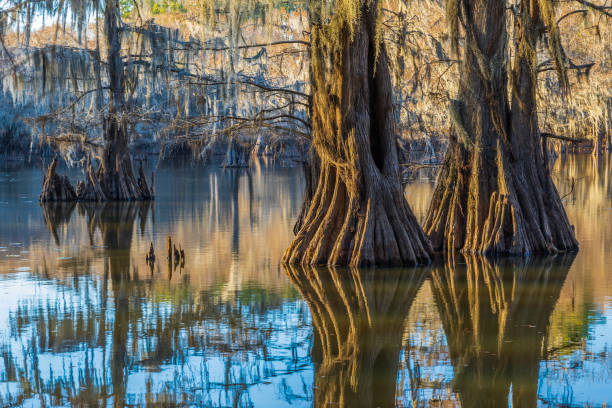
(56, 187)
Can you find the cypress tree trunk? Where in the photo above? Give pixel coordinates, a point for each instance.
(114, 180)
(545, 217)
(358, 317)
(311, 175)
(358, 214)
(115, 174)
(494, 193)
(56, 187)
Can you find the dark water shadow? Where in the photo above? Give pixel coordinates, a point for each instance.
(358, 318)
(496, 314)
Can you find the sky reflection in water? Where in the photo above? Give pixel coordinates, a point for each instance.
(85, 321)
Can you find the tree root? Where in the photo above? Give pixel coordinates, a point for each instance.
(344, 227)
(56, 187)
(506, 208)
(101, 185)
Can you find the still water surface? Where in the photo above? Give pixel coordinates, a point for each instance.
(85, 321)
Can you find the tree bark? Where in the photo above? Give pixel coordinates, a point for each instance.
(312, 170)
(358, 214)
(494, 194)
(56, 187)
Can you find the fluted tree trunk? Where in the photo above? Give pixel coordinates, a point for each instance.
(312, 171)
(546, 220)
(358, 214)
(494, 193)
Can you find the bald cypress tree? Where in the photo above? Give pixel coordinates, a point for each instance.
(114, 180)
(357, 214)
(494, 193)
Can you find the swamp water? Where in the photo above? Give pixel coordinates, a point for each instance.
(84, 320)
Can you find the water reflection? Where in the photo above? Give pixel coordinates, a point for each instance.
(119, 339)
(57, 214)
(496, 316)
(85, 321)
(358, 320)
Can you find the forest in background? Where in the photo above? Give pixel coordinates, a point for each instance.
(234, 80)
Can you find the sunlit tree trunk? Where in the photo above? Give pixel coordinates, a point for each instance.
(358, 318)
(494, 193)
(312, 169)
(358, 214)
(546, 222)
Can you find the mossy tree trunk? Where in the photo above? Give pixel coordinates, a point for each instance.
(546, 221)
(494, 193)
(114, 180)
(115, 174)
(358, 214)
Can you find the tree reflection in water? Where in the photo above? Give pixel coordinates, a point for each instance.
(56, 214)
(105, 334)
(121, 338)
(358, 317)
(496, 316)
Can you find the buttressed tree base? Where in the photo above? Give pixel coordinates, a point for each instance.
(358, 214)
(114, 179)
(494, 194)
